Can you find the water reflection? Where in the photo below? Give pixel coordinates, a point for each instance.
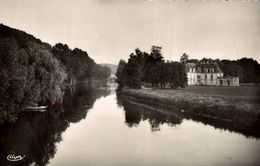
(134, 113)
(79, 99)
(136, 133)
(158, 115)
(35, 134)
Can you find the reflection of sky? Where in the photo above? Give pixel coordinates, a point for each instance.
(110, 30)
(103, 138)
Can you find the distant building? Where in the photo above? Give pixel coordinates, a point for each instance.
(206, 72)
(228, 81)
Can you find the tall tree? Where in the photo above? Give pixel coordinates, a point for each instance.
(133, 73)
(142, 67)
(120, 73)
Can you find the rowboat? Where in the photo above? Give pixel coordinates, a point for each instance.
(37, 108)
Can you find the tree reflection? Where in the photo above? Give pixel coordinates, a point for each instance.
(79, 99)
(35, 134)
(136, 111)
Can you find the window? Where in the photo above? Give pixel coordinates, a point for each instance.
(211, 76)
(205, 76)
(198, 77)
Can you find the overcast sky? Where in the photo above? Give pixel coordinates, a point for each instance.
(109, 30)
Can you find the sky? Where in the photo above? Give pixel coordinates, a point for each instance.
(109, 30)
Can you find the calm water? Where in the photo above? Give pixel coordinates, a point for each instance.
(98, 128)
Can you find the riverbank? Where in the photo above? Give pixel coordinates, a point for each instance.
(246, 98)
(229, 104)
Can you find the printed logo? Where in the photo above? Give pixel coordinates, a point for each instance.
(13, 157)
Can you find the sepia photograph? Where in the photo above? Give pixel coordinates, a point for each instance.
(129, 83)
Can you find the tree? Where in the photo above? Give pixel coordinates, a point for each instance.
(132, 74)
(247, 69)
(28, 75)
(62, 53)
(150, 68)
(33, 72)
(120, 73)
(78, 64)
(101, 72)
(13, 78)
(184, 58)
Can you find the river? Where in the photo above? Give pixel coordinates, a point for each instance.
(96, 127)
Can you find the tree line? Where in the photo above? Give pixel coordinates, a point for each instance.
(247, 69)
(144, 68)
(34, 72)
(78, 65)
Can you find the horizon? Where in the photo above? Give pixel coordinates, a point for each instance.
(216, 30)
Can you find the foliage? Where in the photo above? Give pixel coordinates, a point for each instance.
(150, 68)
(28, 75)
(120, 73)
(78, 64)
(101, 72)
(133, 73)
(33, 72)
(247, 69)
(13, 78)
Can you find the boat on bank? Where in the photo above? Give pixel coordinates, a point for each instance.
(36, 108)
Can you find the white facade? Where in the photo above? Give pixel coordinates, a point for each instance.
(203, 78)
(192, 76)
(208, 78)
(201, 75)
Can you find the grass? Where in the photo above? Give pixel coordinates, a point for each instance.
(243, 98)
(236, 106)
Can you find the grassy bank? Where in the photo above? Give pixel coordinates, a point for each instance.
(233, 108)
(230, 104)
(246, 98)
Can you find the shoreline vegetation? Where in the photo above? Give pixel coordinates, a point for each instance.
(36, 73)
(236, 108)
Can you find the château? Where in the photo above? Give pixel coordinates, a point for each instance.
(206, 72)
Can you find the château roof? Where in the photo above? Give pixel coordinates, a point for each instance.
(192, 61)
(204, 66)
